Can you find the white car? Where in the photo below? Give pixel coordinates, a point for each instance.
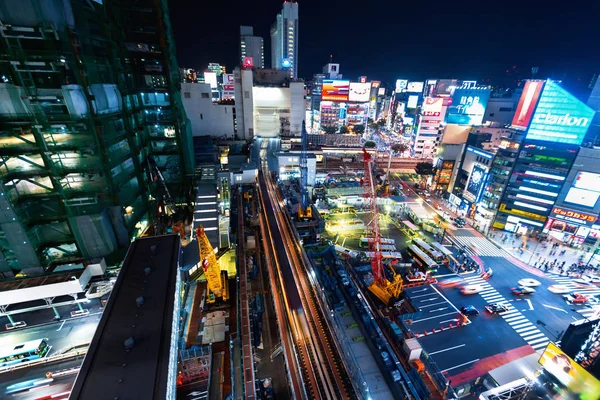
(529, 282)
(560, 289)
(471, 289)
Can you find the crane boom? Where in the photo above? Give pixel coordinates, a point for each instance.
(216, 282)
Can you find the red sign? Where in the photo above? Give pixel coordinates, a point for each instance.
(431, 114)
(527, 103)
(568, 214)
(228, 87)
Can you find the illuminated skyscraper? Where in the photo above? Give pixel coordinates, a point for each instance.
(252, 46)
(284, 39)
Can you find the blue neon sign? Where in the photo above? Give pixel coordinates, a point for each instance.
(560, 117)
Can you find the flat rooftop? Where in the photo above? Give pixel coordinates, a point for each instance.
(109, 370)
(22, 283)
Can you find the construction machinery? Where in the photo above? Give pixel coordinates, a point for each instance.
(216, 280)
(304, 208)
(386, 287)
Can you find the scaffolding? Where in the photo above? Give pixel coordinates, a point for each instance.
(88, 94)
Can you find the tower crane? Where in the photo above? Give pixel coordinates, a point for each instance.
(216, 281)
(304, 209)
(385, 289)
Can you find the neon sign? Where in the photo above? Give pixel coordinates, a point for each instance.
(573, 215)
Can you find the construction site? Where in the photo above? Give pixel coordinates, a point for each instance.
(94, 143)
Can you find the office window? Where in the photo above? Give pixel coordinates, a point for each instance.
(187, 95)
(246, 94)
(204, 95)
(201, 116)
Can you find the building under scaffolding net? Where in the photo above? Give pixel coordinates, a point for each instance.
(92, 129)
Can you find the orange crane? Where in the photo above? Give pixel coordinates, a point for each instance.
(216, 281)
(386, 290)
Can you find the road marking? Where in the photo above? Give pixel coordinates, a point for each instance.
(488, 291)
(432, 299)
(439, 309)
(556, 308)
(444, 297)
(434, 304)
(421, 295)
(460, 365)
(538, 346)
(538, 340)
(508, 314)
(528, 329)
(494, 298)
(437, 316)
(449, 320)
(517, 318)
(449, 348)
(344, 242)
(420, 290)
(532, 336)
(574, 318)
(521, 325)
(530, 305)
(61, 325)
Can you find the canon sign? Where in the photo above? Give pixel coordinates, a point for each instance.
(564, 120)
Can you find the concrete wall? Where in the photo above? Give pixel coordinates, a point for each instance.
(207, 119)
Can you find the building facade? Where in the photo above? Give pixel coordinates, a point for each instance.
(91, 112)
(208, 118)
(284, 39)
(252, 46)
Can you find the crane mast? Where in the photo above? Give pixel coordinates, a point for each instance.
(216, 281)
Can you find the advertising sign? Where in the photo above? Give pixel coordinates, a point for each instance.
(527, 102)
(574, 216)
(228, 79)
(381, 92)
(415, 87)
(559, 117)
(432, 106)
(580, 383)
(401, 85)
(335, 90)
(468, 106)
(359, 92)
(475, 184)
(588, 181)
(412, 101)
(446, 87)
(582, 197)
(362, 79)
(211, 78)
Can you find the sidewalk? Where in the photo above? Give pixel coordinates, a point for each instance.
(537, 254)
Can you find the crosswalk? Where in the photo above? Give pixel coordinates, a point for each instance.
(528, 331)
(480, 246)
(568, 282)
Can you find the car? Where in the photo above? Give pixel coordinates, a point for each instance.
(496, 308)
(522, 290)
(471, 289)
(559, 289)
(469, 310)
(576, 298)
(529, 282)
(451, 282)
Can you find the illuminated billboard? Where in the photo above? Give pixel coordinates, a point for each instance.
(381, 92)
(359, 92)
(335, 90)
(582, 197)
(468, 106)
(559, 117)
(415, 87)
(412, 101)
(527, 102)
(588, 181)
(401, 85)
(475, 185)
(432, 106)
(577, 380)
(446, 87)
(211, 78)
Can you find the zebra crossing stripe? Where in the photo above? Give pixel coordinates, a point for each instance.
(488, 291)
(534, 336)
(515, 319)
(494, 298)
(538, 340)
(507, 314)
(523, 325)
(525, 329)
(528, 330)
(539, 345)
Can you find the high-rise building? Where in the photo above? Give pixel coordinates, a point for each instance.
(555, 125)
(284, 39)
(91, 126)
(252, 46)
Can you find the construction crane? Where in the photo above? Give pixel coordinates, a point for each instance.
(383, 190)
(304, 209)
(386, 290)
(216, 281)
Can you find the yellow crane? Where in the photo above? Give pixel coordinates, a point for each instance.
(216, 281)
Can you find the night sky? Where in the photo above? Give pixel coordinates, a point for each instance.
(391, 39)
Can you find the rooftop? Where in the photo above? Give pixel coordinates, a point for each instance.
(142, 368)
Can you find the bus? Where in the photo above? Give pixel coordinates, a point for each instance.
(409, 228)
(442, 249)
(364, 242)
(430, 251)
(21, 352)
(421, 258)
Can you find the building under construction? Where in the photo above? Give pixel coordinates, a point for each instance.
(93, 135)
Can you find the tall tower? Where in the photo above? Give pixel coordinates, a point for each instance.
(91, 111)
(251, 46)
(284, 39)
